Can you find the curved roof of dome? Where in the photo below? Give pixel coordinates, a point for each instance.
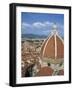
(53, 48)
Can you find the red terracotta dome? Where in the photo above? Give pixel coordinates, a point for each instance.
(45, 71)
(53, 47)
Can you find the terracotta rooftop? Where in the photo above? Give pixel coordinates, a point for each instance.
(45, 71)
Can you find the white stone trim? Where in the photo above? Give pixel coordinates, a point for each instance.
(55, 46)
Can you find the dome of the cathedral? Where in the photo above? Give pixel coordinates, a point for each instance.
(53, 48)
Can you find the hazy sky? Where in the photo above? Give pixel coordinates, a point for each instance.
(41, 23)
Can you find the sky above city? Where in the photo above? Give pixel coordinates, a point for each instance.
(41, 23)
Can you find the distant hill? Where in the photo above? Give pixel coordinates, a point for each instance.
(33, 36)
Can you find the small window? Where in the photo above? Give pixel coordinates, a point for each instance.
(49, 64)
